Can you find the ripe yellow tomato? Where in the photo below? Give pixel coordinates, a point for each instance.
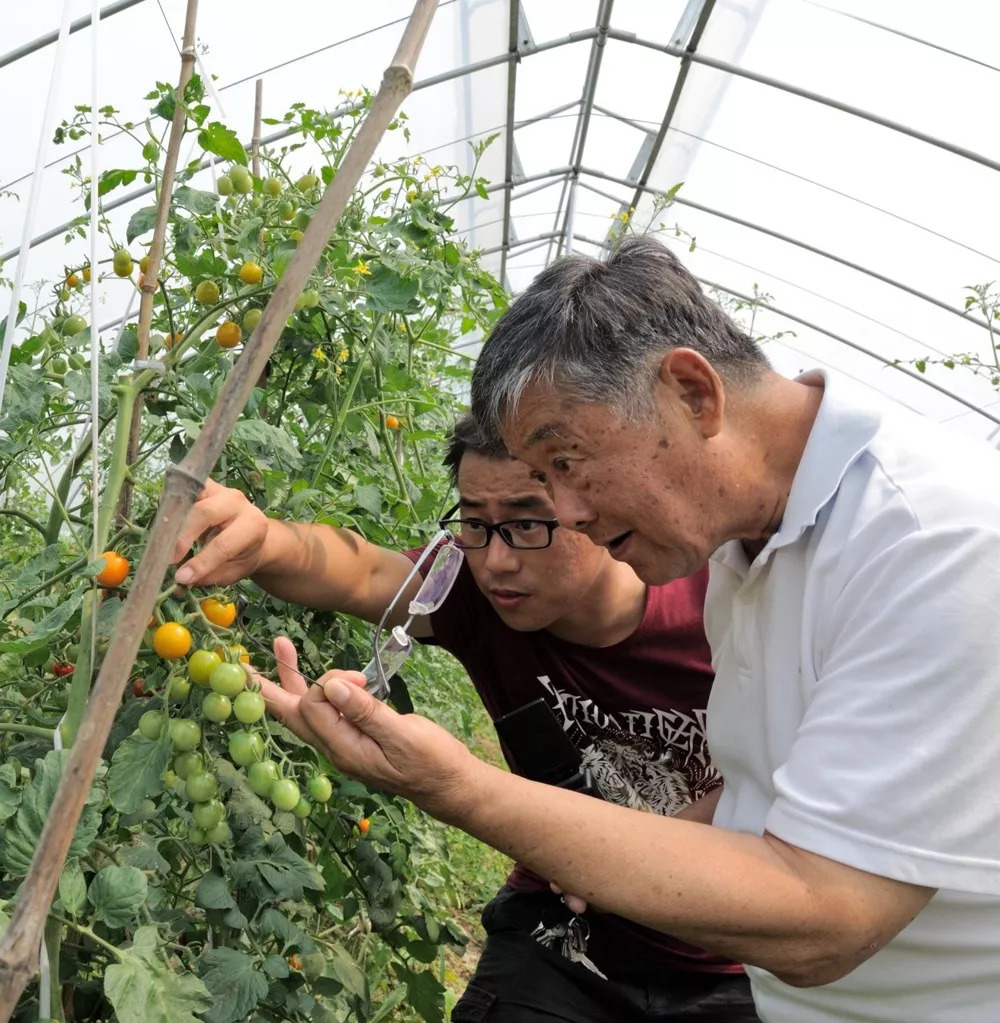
(219, 613)
(171, 641)
(207, 293)
(229, 334)
(115, 570)
(251, 273)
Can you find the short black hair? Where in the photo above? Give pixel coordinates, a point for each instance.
(467, 436)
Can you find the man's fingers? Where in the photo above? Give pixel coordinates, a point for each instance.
(288, 666)
(226, 550)
(345, 690)
(572, 902)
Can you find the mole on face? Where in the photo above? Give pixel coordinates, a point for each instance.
(663, 443)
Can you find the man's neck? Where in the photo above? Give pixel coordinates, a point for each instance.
(608, 612)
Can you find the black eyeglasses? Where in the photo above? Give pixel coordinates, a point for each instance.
(521, 534)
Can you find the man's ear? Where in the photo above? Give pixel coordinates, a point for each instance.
(689, 379)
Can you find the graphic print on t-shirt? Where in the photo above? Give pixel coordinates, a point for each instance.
(654, 760)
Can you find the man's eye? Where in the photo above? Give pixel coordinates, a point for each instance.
(560, 464)
(527, 525)
(539, 477)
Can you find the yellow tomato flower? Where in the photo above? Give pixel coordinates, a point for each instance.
(318, 353)
(343, 355)
(361, 267)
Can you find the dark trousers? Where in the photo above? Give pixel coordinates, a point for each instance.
(519, 980)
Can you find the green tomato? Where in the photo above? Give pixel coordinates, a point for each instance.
(249, 706)
(185, 764)
(72, 325)
(200, 666)
(152, 723)
(251, 318)
(207, 815)
(245, 748)
(320, 788)
(262, 775)
(273, 187)
(224, 185)
(228, 679)
(286, 210)
(77, 362)
(185, 734)
(311, 298)
(200, 787)
(241, 179)
(196, 836)
(219, 835)
(178, 689)
(302, 220)
(302, 808)
(58, 366)
(216, 707)
(169, 779)
(63, 294)
(232, 250)
(306, 182)
(284, 794)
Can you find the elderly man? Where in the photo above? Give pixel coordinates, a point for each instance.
(854, 864)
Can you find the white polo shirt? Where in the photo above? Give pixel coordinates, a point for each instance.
(856, 707)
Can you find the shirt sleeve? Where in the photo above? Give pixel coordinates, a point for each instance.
(895, 768)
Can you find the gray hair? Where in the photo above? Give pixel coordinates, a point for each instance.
(597, 330)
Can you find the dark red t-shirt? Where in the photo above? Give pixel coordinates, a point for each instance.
(635, 710)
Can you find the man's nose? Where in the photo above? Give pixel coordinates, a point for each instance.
(572, 510)
(499, 556)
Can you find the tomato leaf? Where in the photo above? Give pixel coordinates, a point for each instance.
(424, 992)
(73, 888)
(234, 983)
(276, 967)
(117, 894)
(369, 498)
(388, 292)
(223, 141)
(271, 869)
(143, 990)
(342, 967)
(270, 444)
(10, 794)
(39, 633)
(213, 892)
(24, 398)
(277, 924)
(195, 201)
(140, 223)
(144, 855)
(381, 888)
(136, 771)
(20, 840)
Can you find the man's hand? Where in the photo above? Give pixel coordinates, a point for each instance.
(232, 531)
(404, 754)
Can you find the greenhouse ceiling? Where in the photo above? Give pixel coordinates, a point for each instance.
(838, 158)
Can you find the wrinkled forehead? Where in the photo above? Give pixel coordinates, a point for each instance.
(503, 481)
(542, 414)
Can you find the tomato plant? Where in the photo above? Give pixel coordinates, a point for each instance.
(218, 864)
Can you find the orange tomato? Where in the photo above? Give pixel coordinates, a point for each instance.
(219, 613)
(72, 281)
(174, 339)
(251, 273)
(364, 825)
(115, 570)
(229, 334)
(393, 423)
(171, 641)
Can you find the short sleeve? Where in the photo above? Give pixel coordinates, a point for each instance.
(895, 768)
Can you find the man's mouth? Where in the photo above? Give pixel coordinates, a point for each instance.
(508, 598)
(617, 545)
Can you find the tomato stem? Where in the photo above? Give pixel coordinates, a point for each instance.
(19, 729)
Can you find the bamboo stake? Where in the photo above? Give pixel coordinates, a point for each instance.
(147, 289)
(19, 947)
(255, 138)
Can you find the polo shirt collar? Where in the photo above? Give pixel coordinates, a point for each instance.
(841, 432)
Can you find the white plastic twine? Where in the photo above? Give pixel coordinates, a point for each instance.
(44, 135)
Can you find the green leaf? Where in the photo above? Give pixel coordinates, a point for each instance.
(381, 888)
(267, 442)
(10, 792)
(195, 201)
(22, 308)
(136, 771)
(276, 967)
(144, 855)
(21, 839)
(213, 892)
(342, 967)
(218, 139)
(73, 888)
(424, 993)
(141, 222)
(272, 869)
(24, 397)
(277, 924)
(388, 292)
(111, 179)
(369, 498)
(143, 990)
(235, 984)
(117, 894)
(39, 633)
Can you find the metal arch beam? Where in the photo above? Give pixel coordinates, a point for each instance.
(50, 37)
(516, 245)
(601, 30)
(815, 97)
(858, 348)
(513, 33)
(682, 73)
(892, 282)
